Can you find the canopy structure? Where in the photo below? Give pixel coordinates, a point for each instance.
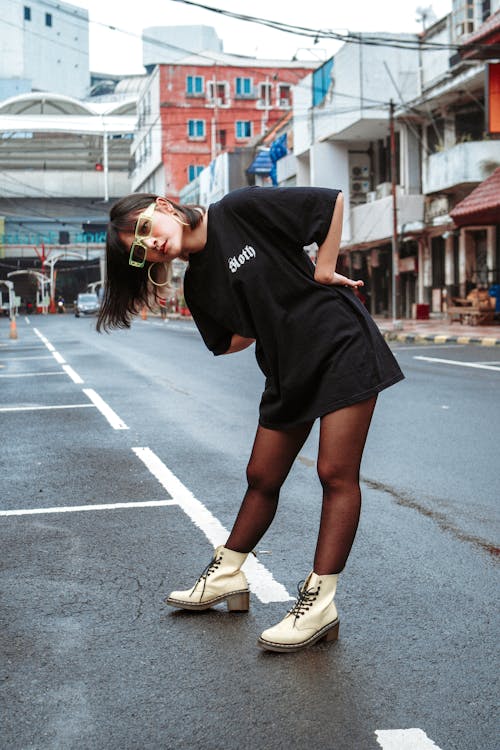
(262, 164)
(482, 206)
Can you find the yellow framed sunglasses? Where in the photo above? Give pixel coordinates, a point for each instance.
(143, 230)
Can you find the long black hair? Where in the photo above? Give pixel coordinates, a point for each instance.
(127, 289)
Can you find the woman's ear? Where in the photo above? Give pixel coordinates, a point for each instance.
(164, 205)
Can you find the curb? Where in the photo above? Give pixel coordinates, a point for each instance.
(439, 338)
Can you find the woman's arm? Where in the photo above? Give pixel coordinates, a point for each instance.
(238, 343)
(328, 252)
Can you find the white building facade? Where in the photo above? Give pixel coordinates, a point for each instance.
(45, 47)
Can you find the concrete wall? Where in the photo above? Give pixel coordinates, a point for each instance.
(146, 147)
(465, 163)
(64, 183)
(373, 221)
(54, 58)
(329, 167)
(175, 42)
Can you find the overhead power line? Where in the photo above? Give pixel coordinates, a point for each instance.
(379, 40)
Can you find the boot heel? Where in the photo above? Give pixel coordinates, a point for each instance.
(239, 602)
(333, 633)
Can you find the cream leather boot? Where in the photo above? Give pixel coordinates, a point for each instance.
(222, 580)
(312, 618)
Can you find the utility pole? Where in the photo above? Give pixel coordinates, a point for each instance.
(396, 291)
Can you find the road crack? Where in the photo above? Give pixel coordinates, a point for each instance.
(441, 519)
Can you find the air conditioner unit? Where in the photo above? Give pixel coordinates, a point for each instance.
(360, 186)
(284, 103)
(360, 172)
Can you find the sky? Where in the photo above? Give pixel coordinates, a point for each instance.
(119, 50)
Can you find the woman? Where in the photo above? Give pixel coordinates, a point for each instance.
(250, 279)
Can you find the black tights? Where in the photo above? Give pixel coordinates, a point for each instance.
(341, 443)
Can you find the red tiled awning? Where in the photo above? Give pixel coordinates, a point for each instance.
(482, 206)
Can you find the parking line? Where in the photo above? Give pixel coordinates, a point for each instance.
(22, 359)
(80, 508)
(73, 375)
(35, 407)
(112, 417)
(29, 374)
(58, 358)
(45, 340)
(404, 739)
(262, 582)
(475, 365)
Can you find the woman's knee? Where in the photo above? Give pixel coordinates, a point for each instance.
(337, 476)
(263, 479)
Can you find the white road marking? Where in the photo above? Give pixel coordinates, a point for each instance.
(428, 346)
(73, 375)
(112, 417)
(45, 340)
(22, 359)
(29, 374)
(261, 581)
(404, 739)
(36, 407)
(58, 358)
(476, 365)
(79, 508)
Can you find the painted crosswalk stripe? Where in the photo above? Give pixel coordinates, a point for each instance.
(261, 581)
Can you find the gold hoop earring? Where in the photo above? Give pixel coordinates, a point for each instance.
(168, 271)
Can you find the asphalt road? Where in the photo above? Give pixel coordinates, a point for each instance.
(150, 420)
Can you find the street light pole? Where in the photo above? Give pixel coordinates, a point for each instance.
(395, 290)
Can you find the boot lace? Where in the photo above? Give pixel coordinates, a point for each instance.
(305, 600)
(212, 566)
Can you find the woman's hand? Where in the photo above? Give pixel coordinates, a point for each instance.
(337, 279)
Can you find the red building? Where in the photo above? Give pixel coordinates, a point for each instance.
(206, 107)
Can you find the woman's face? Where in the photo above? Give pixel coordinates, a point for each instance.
(166, 240)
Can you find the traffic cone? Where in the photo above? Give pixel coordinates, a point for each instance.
(144, 313)
(13, 329)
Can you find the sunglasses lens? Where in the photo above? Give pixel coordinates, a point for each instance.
(138, 253)
(144, 227)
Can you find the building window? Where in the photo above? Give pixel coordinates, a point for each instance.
(221, 139)
(244, 87)
(265, 91)
(193, 171)
(48, 19)
(27, 13)
(194, 85)
(196, 128)
(243, 129)
(219, 91)
(284, 95)
(463, 14)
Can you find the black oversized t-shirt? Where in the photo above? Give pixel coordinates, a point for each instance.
(317, 345)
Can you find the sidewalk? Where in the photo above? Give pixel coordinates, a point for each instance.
(439, 331)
